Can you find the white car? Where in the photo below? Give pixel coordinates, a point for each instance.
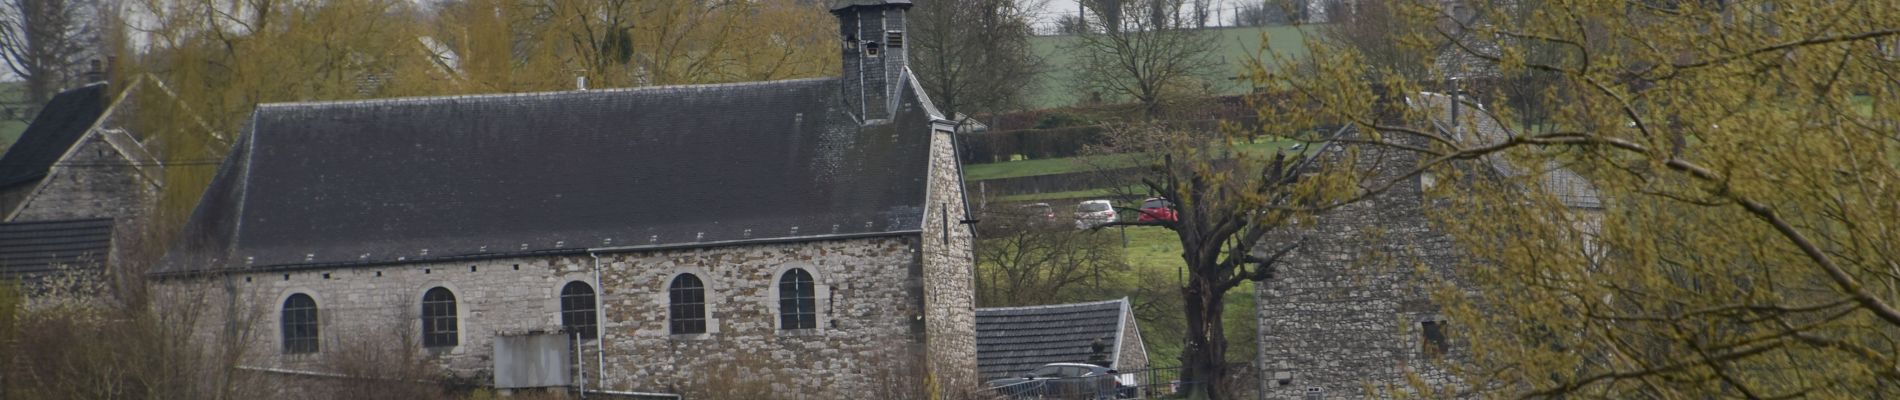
(1094, 212)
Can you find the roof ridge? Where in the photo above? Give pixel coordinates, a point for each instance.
(55, 221)
(1051, 306)
(527, 95)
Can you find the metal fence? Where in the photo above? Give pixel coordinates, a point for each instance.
(1151, 383)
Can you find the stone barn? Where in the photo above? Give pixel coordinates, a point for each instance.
(810, 236)
(1349, 310)
(76, 189)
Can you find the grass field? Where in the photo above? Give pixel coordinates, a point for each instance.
(1238, 44)
(1154, 253)
(10, 132)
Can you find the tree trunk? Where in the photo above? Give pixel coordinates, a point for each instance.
(1206, 353)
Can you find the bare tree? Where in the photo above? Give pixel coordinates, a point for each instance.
(1227, 200)
(1259, 14)
(1203, 9)
(1149, 60)
(973, 56)
(1071, 25)
(1026, 261)
(1373, 30)
(46, 43)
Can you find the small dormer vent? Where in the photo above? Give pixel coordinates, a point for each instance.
(895, 39)
(871, 49)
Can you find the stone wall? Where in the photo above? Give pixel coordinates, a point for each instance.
(949, 286)
(1344, 310)
(1133, 354)
(93, 181)
(863, 344)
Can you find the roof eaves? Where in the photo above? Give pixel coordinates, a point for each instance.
(532, 253)
(1053, 306)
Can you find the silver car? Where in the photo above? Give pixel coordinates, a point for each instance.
(1094, 212)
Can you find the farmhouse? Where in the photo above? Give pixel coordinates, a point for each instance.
(811, 233)
(75, 190)
(1351, 313)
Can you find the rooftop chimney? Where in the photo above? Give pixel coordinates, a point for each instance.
(873, 43)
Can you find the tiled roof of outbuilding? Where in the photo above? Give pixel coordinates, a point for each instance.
(408, 180)
(29, 248)
(61, 123)
(1014, 340)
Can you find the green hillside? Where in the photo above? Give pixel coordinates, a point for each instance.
(10, 128)
(1240, 44)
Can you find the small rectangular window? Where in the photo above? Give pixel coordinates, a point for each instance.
(1432, 338)
(1314, 393)
(895, 39)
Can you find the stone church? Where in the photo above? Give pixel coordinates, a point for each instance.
(812, 233)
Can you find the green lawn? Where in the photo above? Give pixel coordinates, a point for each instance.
(1051, 166)
(1155, 254)
(10, 132)
(1239, 44)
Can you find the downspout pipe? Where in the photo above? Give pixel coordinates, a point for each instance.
(600, 323)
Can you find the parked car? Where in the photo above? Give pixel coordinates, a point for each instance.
(1065, 381)
(1156, 209)
(1094, 212)
(1038, 212)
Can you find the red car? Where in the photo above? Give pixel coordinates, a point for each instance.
(1156, 209)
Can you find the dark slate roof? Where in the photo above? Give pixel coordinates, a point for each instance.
(1014, 340)
(406, 180)
(31, 248)
(61, 123)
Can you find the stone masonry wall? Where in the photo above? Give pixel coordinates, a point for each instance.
(93, 181)
(1344, 310)
(863, 339)
(863, 342)
(1133, 354)
(949, 286)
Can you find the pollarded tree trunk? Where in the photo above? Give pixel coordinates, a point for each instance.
(1206, 352)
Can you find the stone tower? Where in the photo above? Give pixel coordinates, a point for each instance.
(872, 34)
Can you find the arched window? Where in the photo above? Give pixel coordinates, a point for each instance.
(688, 305)
(797, 301)
(299, 324)
(438, 318)
(577, 309)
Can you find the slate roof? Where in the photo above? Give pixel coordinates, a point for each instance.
(1567, 186)
(1014, 340)
(31, 248)
(440, 178)
(59, 124)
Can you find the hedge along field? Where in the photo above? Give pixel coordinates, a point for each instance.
(1064, 165)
